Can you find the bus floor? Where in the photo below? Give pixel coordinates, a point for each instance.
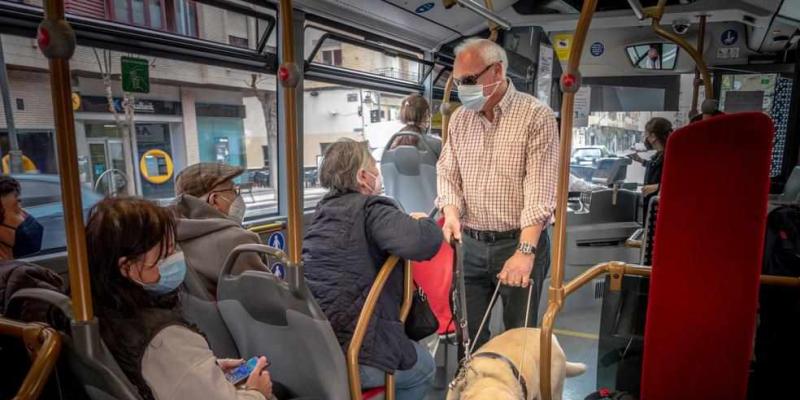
(577, 328)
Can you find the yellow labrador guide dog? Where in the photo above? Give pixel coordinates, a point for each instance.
(496, 371)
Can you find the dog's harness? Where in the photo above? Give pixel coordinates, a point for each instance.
(517, 375)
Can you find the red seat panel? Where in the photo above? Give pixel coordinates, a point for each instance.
(707, 259)
(435, 278)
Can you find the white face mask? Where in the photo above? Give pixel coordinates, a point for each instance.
(472, 97)
(237, 210)
(376, 188)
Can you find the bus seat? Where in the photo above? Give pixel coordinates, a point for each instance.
(280, 320)
(707, 259)
(409, 173)
(201, 310)
(791, 191)
(87, 356)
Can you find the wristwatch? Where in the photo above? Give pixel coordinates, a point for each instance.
(526, 248)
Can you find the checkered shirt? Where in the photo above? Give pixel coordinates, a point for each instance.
(501, 175)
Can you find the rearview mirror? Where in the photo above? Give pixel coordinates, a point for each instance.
(654, 56)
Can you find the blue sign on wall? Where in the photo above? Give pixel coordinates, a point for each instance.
(277, 240)
(597, 49)
(424, 7)
(729, 37)
(279, 270)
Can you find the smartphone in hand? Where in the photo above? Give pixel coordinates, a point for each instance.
(242, 372)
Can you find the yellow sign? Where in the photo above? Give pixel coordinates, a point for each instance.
(76, 101)
(156, 166)
(562, 44)
(28, 165)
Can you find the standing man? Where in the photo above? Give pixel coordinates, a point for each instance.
(497, 179)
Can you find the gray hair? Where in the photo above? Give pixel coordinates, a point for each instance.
(341, 163)
(489, 51)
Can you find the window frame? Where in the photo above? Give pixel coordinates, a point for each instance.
(112, 14)
(426, 66)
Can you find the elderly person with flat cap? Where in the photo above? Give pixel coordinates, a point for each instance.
(210, 212)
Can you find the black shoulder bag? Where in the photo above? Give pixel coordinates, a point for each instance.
(421, 321)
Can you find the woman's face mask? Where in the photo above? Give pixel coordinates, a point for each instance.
(172, 271)
(27, 237)
(374, 184)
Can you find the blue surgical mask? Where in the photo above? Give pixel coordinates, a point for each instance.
(172, 270)
(472, 97)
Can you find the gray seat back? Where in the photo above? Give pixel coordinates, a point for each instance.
(409, 173)
(87, 355)
(791, 192)
(280, 320)
(199, 309)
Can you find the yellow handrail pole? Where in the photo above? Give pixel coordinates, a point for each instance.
(60, 88)
(43, 344)
(701, 36)
(405, 308)
(570, 82)
(288, 74)
(655, 13)
(360, 330)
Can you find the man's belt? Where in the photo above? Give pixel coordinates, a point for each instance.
(491, 236)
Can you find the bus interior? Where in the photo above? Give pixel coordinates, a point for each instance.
(255, 84)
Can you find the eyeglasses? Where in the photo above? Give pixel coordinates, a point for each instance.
(472, 79)
(236, 190)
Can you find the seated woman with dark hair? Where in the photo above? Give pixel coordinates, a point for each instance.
(20, 233)
(135, 275)
(353, 232)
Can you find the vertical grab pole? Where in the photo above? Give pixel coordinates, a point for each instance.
(701, 35)
(289, 75)
(570, 82)
(57, 42)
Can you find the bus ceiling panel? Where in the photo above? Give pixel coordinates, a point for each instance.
(380, 18)
(606, 51)
(753, 12)
(783, 32)
(458, 19)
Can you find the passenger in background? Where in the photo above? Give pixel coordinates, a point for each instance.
(207, 229)
(656, 133)
(135, 274)
(705, 116)
(415, 112)
(353, 232)
(20, 233)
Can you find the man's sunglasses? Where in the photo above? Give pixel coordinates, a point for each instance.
(236, 190)
(472, 79)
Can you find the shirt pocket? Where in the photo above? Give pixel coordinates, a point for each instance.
(510, 157)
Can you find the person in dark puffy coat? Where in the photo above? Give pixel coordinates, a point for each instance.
(353, 232)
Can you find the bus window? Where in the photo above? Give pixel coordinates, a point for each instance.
(767, 93)
(332, 112)
(344, 51)
(193, 112)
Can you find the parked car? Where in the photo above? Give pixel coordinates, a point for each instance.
(41, 198)
(589, 155)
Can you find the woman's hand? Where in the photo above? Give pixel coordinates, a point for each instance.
(636, 157)
(647, 190)
(418, 215)
(229, 364)
(259, 379)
